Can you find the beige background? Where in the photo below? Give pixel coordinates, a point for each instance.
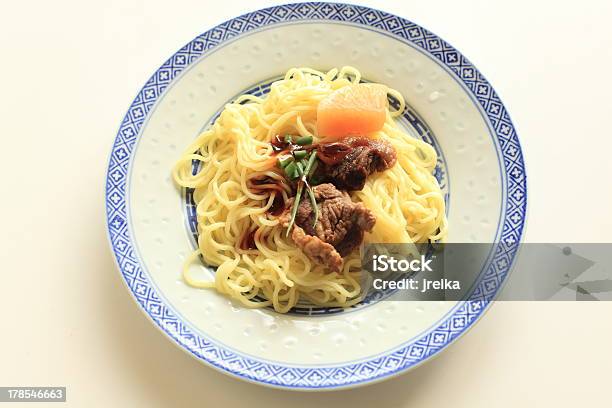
(69, 73)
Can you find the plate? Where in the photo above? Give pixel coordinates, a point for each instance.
(151, 225)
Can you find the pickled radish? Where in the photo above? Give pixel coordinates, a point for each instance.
(352, 110)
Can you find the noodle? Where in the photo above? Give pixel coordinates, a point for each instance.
(406, 199)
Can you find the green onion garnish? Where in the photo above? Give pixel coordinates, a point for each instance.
(311, 161)
(300, 154)
(313, 204)
(303, 173)
(291, 170)
(315, 180)
(313, 168)
(304, 140)
(296, 204)
(288, 138)
(312, 164)
(284, 161)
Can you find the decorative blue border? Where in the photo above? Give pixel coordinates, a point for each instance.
(396, 361)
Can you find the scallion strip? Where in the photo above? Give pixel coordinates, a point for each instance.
(311, 161)
(313, 204)
(291, 170)
(299, 154)
(300, 168)
(284, 161)
(316, 180)
(312, 169)
(304, 140)
(312, 164)
(296, 204)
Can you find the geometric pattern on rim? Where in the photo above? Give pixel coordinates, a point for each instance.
(395, 361)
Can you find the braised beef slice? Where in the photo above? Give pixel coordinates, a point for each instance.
(319, 251)
(364, 157)
(339, 228)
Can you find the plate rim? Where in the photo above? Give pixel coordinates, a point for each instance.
(394, 361)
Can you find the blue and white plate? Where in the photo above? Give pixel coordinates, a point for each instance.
(150, 222)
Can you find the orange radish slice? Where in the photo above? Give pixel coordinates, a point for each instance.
(352, 110)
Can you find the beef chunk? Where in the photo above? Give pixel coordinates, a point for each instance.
(360, 158)
(338, 216)
(339, 228)
(319, 251)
